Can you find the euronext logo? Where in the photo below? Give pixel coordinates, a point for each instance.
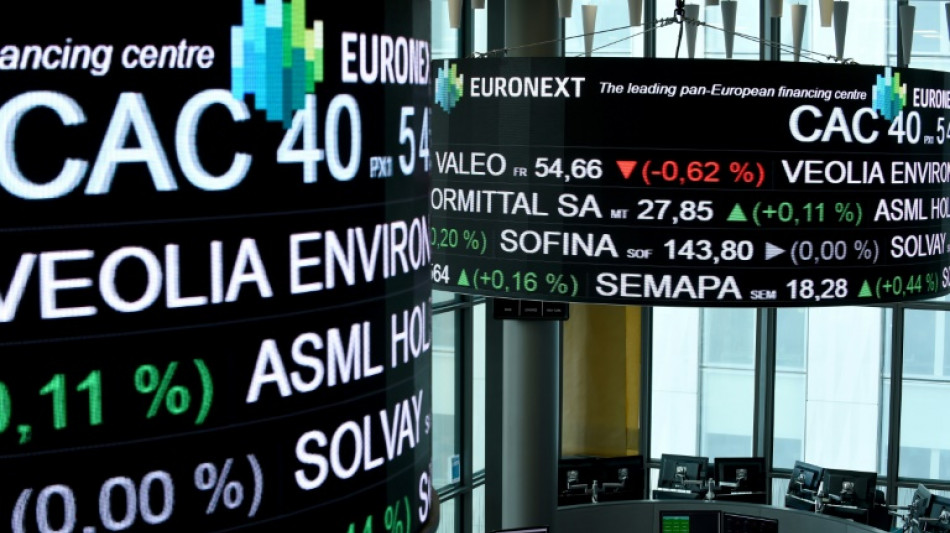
(275, 57)
(888, 96)
(449, 87)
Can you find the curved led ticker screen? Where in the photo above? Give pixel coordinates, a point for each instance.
(699, 183)
(215, 270)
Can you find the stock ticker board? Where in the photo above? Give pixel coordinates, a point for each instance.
(697, 183)
(215, 295)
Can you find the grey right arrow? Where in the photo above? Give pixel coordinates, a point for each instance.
(771, 251)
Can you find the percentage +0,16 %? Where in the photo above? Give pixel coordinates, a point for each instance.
(551, 283)
(166, 396)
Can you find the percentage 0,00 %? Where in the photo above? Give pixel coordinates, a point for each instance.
(124, 501)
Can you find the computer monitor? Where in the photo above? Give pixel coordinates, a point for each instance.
(920, 504)
(938, 517)
(575, 480)
(620, 478)
(805, 477)
(743, 474)
(849, 487)
(682, 471)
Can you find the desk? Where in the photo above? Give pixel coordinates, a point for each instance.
(643, 517)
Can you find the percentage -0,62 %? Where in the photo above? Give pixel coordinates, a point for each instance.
(455, 239)
(697, 173)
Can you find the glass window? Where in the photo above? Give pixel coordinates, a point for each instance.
(727, 411)
(447, 517)
(713, 37)
(789, 421)
(614, 37)
(930, 47)
(478, 389)
(728, 382)
(729, 337)
(444, 444)
(703, 371)
(675, 386)
(834, 409)
(919, 356)
(439, 297)
(478, 509)
(925, 442)
(480, 22)
(445, 40)
(791, 336)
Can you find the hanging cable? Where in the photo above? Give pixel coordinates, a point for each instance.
(680, 14)
(681, 19)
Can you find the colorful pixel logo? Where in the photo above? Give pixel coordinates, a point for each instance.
(449, 87)
(888, 96)
(275, 57)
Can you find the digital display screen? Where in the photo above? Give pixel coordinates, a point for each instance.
(689, 521)
(215, 285)
(699, 183)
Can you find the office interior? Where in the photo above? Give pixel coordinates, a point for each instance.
(845, 388)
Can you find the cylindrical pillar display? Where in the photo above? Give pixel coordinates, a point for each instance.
(692, 14)
(712, 2)
(636, 12)
(906, 15)
(826, 7)
(564, 8)
(841, 26)
(589, 12)
(775, 8)
(729, 24)
(178, 355)
(798, 28)
(455, 13)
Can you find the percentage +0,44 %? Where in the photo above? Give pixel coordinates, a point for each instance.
(84, 400)
(906, 286)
